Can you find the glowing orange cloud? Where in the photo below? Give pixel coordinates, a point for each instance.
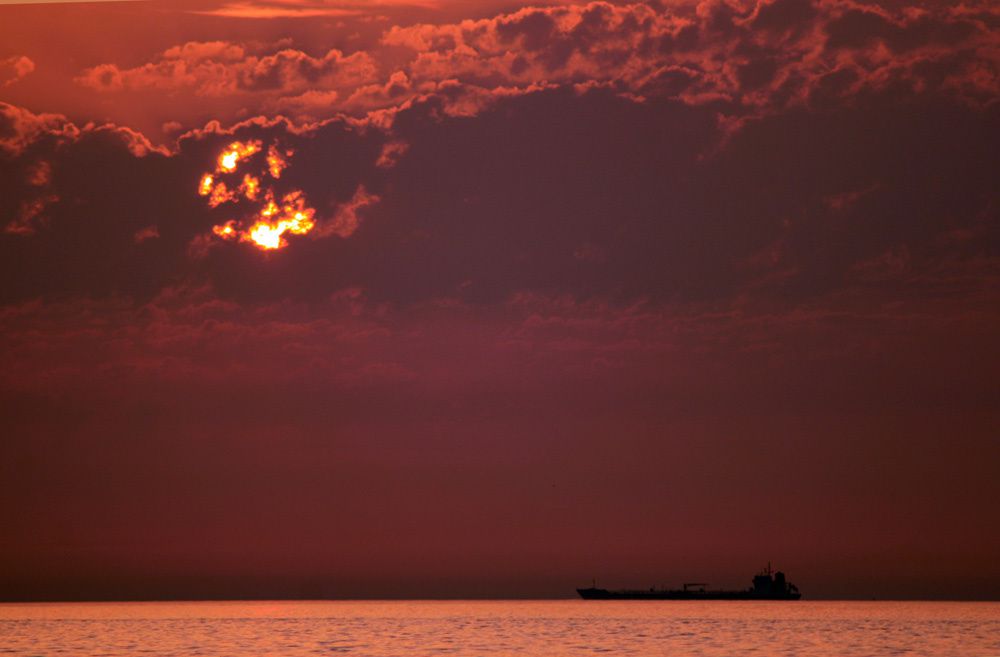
(276, 163)
(250, 187)
(219, 195)
(291, 216)
(206, 184)
(226, 230)
(266, 226)
(237, 151)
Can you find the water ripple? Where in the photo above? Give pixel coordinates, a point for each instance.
(532, 629)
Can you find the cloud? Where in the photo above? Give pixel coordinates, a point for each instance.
(275, 10)
(20, 127)
(630, 98)
(776, 55)
(14, 69)
(220, 68)
(146, 233)
(30, 214)
(593, 194)
(346, 219)
(391, 154)
(308, 8)
(99, 217)
(740, 62)
(189, 336)
(308, 103)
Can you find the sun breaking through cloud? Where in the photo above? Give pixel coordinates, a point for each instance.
(270, 219)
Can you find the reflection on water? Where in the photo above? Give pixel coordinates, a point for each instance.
(537, 628)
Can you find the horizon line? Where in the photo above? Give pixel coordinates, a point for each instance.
(471, 599)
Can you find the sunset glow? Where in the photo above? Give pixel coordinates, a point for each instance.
(225, 231)
(276, 162)
(237, 151)
(250, 187)
(292, 216)
(220, 194)
(206, 184)
(264, 225)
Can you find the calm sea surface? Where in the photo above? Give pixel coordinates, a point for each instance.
(549, 628)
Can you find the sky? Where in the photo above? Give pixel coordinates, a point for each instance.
(309, 298)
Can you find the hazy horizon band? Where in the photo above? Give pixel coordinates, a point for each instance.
(58, 2)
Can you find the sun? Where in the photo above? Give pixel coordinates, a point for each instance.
(270, 217)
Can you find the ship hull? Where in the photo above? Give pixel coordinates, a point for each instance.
(604, 594)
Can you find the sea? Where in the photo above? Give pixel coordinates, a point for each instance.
(525, 628)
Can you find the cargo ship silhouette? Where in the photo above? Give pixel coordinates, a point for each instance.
(767, 585)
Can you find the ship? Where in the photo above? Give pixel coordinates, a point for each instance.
(767, 585)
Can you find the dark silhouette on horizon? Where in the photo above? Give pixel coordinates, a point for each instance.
(767, 585)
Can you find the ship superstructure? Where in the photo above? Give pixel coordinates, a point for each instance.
(767, 585)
